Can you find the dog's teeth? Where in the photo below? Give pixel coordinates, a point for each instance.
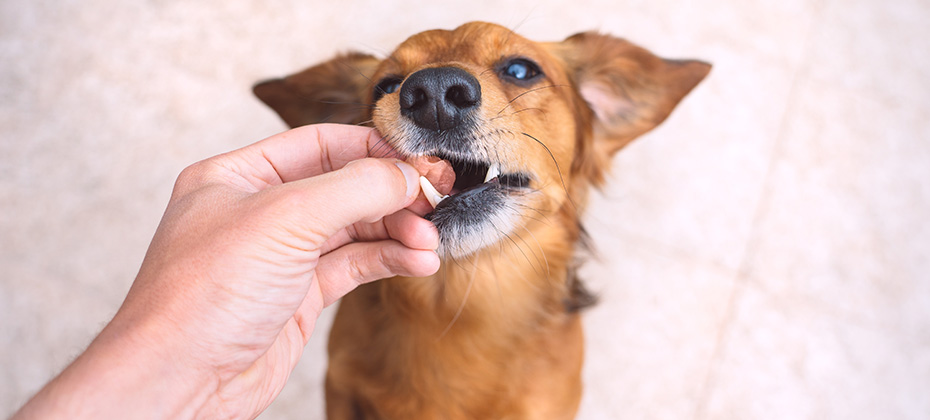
(493, 171)
(430, 192)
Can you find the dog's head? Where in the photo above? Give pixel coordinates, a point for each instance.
(528, 127)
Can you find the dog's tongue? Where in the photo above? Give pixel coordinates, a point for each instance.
(439, 172)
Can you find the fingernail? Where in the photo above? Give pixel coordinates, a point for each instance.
(411, 176)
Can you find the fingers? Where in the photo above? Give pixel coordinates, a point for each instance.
(314, 149)
(365, 190)
(420, 206)
(292, 155)
(405, 226)
(344, 269)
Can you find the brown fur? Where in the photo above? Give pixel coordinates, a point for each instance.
(493, 335)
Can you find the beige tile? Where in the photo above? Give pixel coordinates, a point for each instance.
(875, 48)
(652, 334)
(694, 184)
(835, 322)
(793, 358)
(845, 220)
(832, 320)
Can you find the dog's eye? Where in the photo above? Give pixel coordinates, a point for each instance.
(521, 69)
(386, 86)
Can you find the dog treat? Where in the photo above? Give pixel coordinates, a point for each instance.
(437, 177)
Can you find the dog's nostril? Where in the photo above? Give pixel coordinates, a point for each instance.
(461, 96)
(414, 99)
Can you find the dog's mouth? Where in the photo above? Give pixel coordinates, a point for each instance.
(482, 206)
(472, 175)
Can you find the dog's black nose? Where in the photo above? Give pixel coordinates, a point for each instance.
(439, 98)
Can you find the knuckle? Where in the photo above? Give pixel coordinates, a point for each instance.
(199, 175)
(384, 260)
(191, 177)
(356, 271)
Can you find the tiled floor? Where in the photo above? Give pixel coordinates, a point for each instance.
(762, 255)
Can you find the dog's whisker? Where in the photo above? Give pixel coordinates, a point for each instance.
(458, 263)
(524, 226)
(358, 71)
(541, 251)
(517, 112)
(513, 31)
(384, 147)
(458, 313)
(382, 151)
(544, 218)
(516, 245)
(525, 256)
(529, 282)
(558, 169)
(527, 92)
(360, 105)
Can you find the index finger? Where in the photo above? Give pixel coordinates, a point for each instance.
(314, 149)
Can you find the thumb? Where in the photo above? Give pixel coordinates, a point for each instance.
(364, 190)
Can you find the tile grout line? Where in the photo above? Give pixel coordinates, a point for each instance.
(743, 270)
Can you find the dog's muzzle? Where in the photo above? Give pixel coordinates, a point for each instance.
(440, 98)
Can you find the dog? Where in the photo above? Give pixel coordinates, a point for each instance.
(528, 129)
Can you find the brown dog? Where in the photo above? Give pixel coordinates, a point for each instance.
(527, 128)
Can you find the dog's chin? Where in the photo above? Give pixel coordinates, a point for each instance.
(478, 217)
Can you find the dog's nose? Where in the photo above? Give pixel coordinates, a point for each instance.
(439, 98)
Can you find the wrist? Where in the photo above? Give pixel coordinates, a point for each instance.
(128, 371)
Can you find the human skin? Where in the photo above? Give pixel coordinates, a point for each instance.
(253, 245)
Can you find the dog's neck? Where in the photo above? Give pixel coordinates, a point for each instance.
(517, 283)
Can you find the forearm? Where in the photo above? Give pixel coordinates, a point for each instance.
(127, 372)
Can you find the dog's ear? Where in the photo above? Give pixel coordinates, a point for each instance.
(629, 89)
(334, 91)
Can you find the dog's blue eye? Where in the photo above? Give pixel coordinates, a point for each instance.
(518, 70)
(386, 86)
(521, 69)
(390, 87)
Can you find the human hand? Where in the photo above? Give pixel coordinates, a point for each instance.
(253, 245)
